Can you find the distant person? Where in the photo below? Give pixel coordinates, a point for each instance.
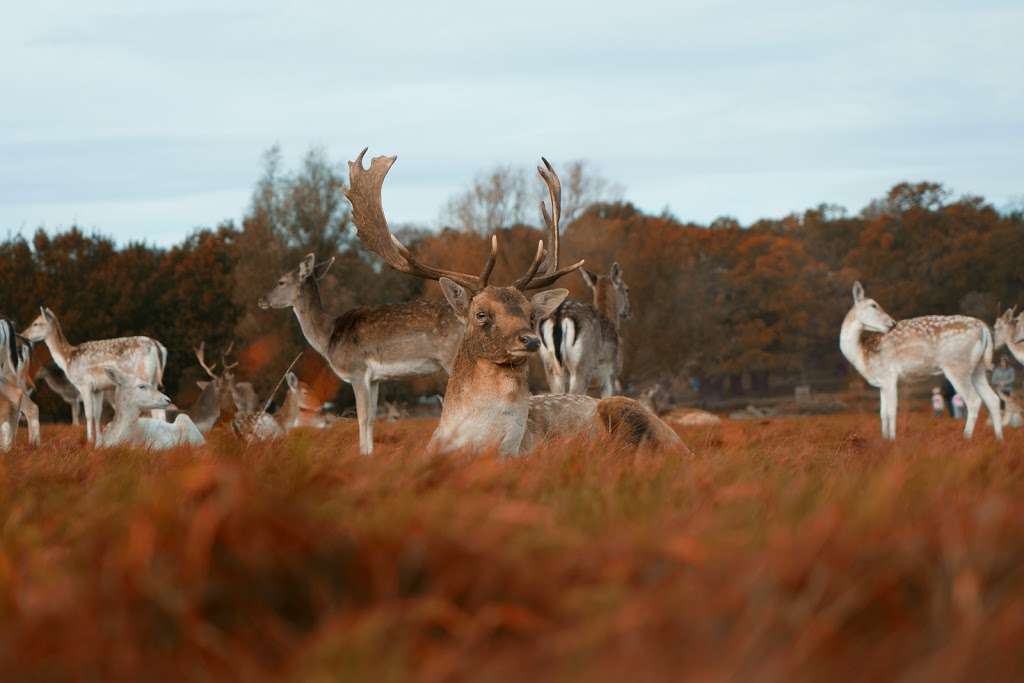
(938, 403)
(958, 406)
(1003, 377)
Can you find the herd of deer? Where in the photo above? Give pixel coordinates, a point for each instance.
(482, 335)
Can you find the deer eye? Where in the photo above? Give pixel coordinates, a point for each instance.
(482, 317)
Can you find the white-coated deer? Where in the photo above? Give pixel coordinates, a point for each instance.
(487, 403)
(212, 393)
(957, 346)
(368, 345)
(301, 407)
(133, 395)
(1009, 331)
(85, 363)
(15, 387)
(583, 340)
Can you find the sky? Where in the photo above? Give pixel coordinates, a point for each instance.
(145, 123)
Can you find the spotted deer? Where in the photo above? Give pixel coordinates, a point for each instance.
(301, 407)
(15, 387)
(368, 345)
(84, 364)
(133, 395)
(213, 392)
(581, 342)
(487, 403)
(956, 346)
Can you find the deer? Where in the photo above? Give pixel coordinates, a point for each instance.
(133, 395)
(251, 421)
(54, 378)
(487, 402)
(957, 346)
(213, 392)
(1008, 331)
(584, 341)
(365, 346)
(16, 387)
(84, 364)
(301, 407)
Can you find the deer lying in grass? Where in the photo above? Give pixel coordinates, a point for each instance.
(487, 402)
(15, 387)
(368, 345)
(133, 395)
(583, 340)
(206, 410)
(85, 364)
(957, 346)
(301, 407)
(251, 421)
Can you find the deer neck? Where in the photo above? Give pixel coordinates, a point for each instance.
(313, 319)
(59, 346)
(850, 343)
(607, 304)
(208, 403)
(485, 404)
(126, 414)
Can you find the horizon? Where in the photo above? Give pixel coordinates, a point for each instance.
(149, 125)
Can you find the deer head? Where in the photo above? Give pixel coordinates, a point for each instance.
(611, 294)
(1004, 329)
(289, 286)
(299, 392)
(225, 379)
(133, 393)
(40, 328)
(868, 313)
(499, 320)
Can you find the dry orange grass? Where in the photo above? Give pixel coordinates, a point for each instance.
(794, 549)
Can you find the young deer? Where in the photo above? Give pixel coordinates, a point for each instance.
(584, 340)
(84, 364)
(251, 421)
(15, 387)
(368, 345)
(133, 395)
(487, 402)
(954, 345)
(206, 410)
(301, 408)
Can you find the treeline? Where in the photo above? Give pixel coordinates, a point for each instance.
(735, 306)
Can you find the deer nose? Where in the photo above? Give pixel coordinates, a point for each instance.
(263, 303)
(531, 342)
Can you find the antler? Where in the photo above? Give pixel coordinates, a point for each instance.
(551, 219)
(364, 193)
(202, 361)
(224, 358)
(364, 186)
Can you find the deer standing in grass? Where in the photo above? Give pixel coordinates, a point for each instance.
(957, 346)
(212, 393)
(15, 387)
(366, 346)
(1009, 331)
(133, 395)
(584, 340)
(84, 364)
(487, 403)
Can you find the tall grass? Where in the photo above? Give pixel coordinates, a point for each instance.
(790, 549)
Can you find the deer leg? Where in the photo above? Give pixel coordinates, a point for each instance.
(889, 403)
(963, 385)
(364, 409)
(6, 433)
(31, 412)
(607, 385)
(76, 409)
(991, 399)
(579, 381)
(372, 415)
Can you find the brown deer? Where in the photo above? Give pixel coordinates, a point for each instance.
(365, 346)
(487, 402)
(956, 346)
(302, 407)
(212, 393)
(584, 340)
(84, 364)
(15, 387)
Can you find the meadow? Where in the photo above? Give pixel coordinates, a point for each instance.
(784, 549)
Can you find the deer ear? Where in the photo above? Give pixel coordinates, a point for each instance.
(858, 292)
(616, 273)
(307, 266)
(545, 303)
(588, 277)
(456, 295)
(293, 381)
(202, 384)
(320, 270)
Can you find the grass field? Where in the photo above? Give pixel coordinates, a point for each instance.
(790, 549)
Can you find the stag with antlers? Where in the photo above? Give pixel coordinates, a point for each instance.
(956, 346)
(487, 403)
(213, 392)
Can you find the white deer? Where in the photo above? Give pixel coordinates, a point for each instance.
(85, 363)
(957, 346)
(133, 395)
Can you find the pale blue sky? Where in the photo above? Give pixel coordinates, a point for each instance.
(145, 123)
